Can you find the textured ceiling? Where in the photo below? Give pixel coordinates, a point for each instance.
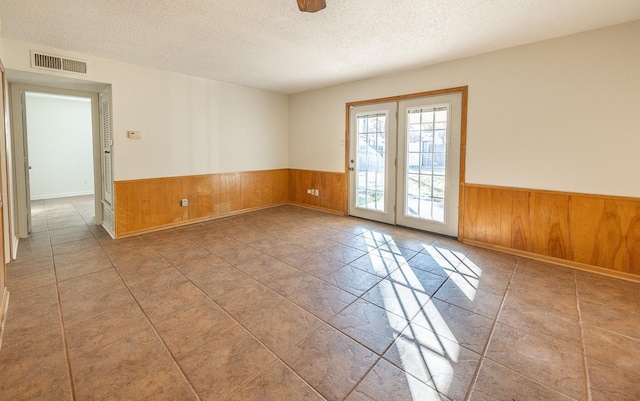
(269, 44)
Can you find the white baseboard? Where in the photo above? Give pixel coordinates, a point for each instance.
(63, 195)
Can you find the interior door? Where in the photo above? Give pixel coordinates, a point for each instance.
(429, 163)
(27, 166)
(372, 160)
(107, 144)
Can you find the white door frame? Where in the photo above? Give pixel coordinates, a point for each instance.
(453, 102)
(387, 215)
(463, 141)
(22, 209)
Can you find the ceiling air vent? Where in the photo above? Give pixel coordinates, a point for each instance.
(52, 62)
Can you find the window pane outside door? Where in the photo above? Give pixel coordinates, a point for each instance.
(426, 163)
(370, 164)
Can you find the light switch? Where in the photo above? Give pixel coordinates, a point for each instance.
(134, 134)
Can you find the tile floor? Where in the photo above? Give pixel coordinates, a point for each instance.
(293, 304)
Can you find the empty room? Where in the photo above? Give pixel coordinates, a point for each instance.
(320, 200)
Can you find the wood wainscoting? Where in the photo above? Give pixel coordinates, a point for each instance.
(590, 232)
(331, 190)
(153, 204)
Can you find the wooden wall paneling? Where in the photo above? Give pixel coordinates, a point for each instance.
(145, 205)
(246, 191)
(204, 196)
(593, 232)
(493, 223)
(135, 210)
(216, 193)
(560, 243)
(252, 190)
(298, 186)
(152, 206)
(273, 186)
(549, 214)
(121, 206)
(586, 215)
(481, 215)
(230, 191)
(307, 181)
(282, 186)
(503, 219)
(612, 234)
(293, 186)
(226, 187)
(470, 213)
(520, 236)
(235, 194)
(316, 183)
(539, 218)
(632, 240)
(268, 183)
(332, 196)
(339, 195)
(174, 191)
(190, 192)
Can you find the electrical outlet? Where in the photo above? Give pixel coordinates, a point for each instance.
(316, 192)
(310, 191)
(184, 202)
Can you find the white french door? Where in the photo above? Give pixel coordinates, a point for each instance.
(372, 189)
(407, 171)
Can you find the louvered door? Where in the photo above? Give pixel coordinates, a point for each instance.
(107, 145)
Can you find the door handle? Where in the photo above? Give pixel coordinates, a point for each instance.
(351, 168)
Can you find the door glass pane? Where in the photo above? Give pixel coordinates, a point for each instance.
(426, 163)
(370, 163)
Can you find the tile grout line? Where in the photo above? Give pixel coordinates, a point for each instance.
(585, 363)
(381, 355)
(155, 331)
(483, 356)
(279, 358)
(151, 324)
(62, 325)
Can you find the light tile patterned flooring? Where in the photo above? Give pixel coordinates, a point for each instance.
(293, 304)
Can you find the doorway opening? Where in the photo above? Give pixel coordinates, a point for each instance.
(57, 150)
(405, 160)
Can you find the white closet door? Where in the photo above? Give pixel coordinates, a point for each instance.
(107, 145)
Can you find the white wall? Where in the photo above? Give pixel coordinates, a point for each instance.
(189, 125)
(559, 115)
(60, 143)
